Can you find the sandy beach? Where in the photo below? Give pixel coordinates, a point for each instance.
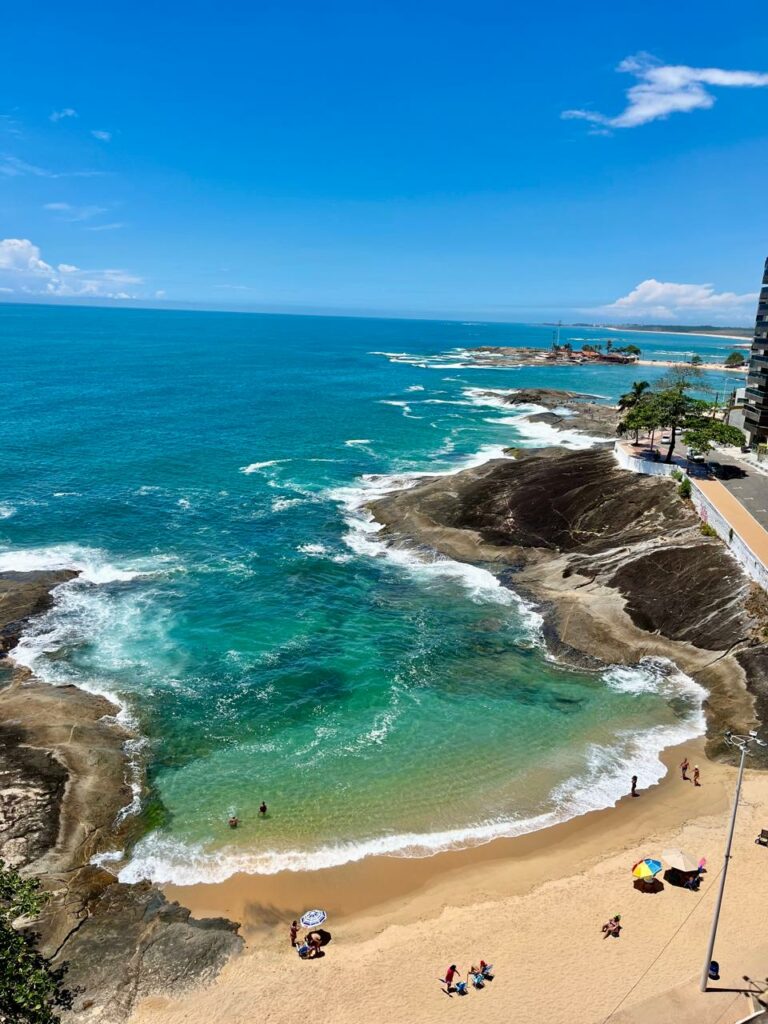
(532, 906)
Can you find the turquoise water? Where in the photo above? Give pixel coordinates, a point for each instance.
(206, 472)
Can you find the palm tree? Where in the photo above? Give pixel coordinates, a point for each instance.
(635, 396)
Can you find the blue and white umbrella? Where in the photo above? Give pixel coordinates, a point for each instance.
(312, 918)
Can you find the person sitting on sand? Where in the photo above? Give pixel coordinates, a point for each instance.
(478, 979)
(234, 821)
(613, 927)
(294, 932)
(314, 941)
(486, 970)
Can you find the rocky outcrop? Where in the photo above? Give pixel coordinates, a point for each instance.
(616, 561)
(566, 410)
(133, 943)
(63, 785)
(23, 594)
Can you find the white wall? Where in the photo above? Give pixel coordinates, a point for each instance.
(706, 511)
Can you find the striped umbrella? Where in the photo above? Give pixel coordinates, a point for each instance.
(312, 918)
(647, 868)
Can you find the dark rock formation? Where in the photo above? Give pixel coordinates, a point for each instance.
(617, 560)
(32, 785)
(23, 594)
(133, 943)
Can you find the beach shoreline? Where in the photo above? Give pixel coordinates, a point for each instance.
(683, 334)
(716, 367)
(396, 924)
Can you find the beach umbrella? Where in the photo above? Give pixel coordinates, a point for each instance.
(312, 918)
(646, 868)
(680, 861)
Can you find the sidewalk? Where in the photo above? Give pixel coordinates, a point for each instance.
(742, 522)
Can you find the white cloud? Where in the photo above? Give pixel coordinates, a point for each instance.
(60, 115)
(73, 214)
(663, 299)
(664, 89)
(13, 167)
(24, 272)
(103, 136)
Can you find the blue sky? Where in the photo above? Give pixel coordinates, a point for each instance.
(388, 158)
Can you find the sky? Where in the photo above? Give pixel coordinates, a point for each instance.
(498, 161)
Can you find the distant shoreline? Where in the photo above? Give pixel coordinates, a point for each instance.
(684, 334)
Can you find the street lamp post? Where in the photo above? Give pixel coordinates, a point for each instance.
(741, 743)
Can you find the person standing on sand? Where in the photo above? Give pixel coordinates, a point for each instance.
(294, 932)
(684, 769)
(634, 786)
(263, 809)
(696, 775)
(450, 974)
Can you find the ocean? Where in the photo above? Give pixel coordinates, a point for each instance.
(207, 474)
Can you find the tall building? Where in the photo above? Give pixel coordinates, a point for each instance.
(756, 409)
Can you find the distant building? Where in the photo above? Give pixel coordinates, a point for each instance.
(756, 409)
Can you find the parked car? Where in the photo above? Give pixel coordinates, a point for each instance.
(666, 438)
(698, 457)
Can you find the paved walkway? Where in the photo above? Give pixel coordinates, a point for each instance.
(744, 524)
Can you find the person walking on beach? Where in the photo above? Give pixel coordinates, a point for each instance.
(634, 786)
(684, 769)
(696, 775)
(450, 974)
(263, 809)
(294, 932)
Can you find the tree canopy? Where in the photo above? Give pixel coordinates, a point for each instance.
(31, 988)
(734, 359)
(673, 409)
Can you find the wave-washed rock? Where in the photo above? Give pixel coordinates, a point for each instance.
(63, 784)
(566, 410)
(616, 561)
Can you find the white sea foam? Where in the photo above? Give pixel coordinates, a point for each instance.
(281, 504)
(544, 435)
(415, 387)
(6, 511)
(312, 549)
(599, 784)
(256, 467)
(404, 406)
(488, 397)
(92, 564)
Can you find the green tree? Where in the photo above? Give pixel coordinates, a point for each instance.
(31, 988)
(634, 396)
(641, 416)
(734, 359)
(701, 433)
(696, 360)
(673, 409)
(632, 350)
